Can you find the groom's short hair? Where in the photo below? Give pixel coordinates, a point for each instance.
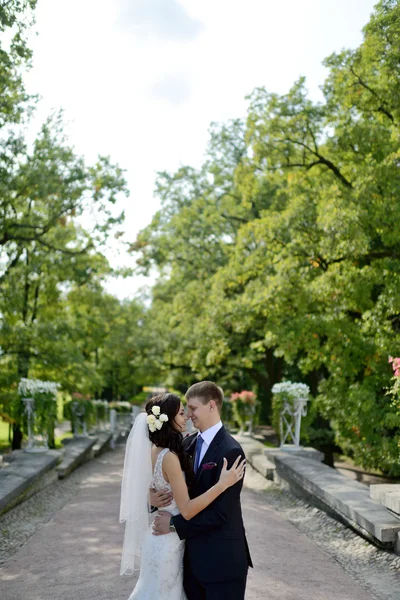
(206, 391)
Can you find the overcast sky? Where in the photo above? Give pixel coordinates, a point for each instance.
(142, 80)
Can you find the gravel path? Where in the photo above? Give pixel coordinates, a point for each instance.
(65, 543)
(377, 571)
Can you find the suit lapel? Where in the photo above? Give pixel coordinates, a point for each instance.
(211, 451)
(189, 444)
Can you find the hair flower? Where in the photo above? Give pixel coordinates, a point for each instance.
(155, 420)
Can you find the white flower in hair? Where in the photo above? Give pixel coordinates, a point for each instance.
(155, 420)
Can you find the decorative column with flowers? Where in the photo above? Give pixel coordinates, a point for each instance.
(289, 406)
(37, 409)
(244, 408)
(81, 412)
(101, 410)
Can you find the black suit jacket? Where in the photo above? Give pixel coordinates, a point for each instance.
(216, 545)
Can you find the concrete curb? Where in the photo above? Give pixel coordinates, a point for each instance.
(255, 455)
(77, 451)
(387, 494)
(103, 443)
(342, 498)
(25, 474)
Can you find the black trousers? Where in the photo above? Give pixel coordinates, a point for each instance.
(221, 590)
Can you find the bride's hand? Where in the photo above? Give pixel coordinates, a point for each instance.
(160, 499)
(231, 476)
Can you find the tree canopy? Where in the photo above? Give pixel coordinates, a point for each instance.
(280, 256)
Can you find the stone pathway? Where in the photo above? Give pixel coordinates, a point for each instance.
(71, 542)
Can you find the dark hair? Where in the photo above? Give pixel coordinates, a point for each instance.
(206, 391)
(167, 436)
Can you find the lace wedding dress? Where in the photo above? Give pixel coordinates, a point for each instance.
(161, 565)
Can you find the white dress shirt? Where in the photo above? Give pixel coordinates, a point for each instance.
(208, 435)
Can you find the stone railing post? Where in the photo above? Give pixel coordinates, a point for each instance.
(113, 426)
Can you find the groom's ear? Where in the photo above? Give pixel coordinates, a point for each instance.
(213, 404)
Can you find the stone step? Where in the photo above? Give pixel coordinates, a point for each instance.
(343, 498)
(23, 473)
(387, 494)
(255, 455)
(302, 452)
(103, 442)
(77, 451)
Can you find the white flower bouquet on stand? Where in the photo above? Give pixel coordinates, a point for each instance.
(39, 407)
(289, 406)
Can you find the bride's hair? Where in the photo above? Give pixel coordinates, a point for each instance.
(168, 436)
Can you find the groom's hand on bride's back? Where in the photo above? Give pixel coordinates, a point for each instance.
(161, 524)
(160, 499)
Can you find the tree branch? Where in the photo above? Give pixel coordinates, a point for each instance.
(12, 264)
(325, 161)
(381, 109)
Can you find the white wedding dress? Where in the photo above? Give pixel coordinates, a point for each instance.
(161, 564)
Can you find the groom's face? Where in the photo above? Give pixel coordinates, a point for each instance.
(201, 414)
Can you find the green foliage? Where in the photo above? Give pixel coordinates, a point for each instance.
(121, 407)
(281, 253)
(80, 410)
(139, 399)
(57, 322)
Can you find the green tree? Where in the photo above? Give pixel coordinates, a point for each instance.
(56, 215)
(302, 278)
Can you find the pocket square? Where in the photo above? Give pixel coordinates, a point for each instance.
(208, 466)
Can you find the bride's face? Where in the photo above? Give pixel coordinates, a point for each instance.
(180, 419)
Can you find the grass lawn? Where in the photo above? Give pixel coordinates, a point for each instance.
(59, 439)
(4, 443)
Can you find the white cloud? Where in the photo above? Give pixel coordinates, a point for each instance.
(176, 89)
(166, 19)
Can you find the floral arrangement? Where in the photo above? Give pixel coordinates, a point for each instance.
(80, 410)
(244, 406)
(155, 420)
(44, 394)
(79, 396)
(286, 392)
(101, 407)
(246, 397)
(32, 387)
(121, 406)
(394, 391)
(295, 391)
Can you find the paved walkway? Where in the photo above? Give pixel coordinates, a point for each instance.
(76, 555)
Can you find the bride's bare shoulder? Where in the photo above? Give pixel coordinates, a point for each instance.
(171, 461)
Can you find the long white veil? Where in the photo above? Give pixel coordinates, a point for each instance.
(136, 481)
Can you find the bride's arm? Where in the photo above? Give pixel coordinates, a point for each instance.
(190, 508)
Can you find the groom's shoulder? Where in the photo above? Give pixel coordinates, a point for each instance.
(231, 442)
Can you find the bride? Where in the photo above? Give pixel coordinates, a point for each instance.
(154, 457)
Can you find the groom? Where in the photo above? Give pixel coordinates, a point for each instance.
(217, 555)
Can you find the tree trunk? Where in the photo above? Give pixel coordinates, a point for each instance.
(17, 437)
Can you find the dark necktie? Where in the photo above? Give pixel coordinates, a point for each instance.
(199, 444)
